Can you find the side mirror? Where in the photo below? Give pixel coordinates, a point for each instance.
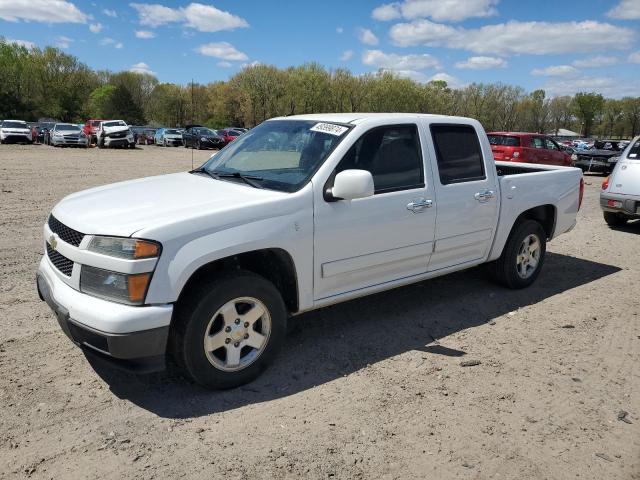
(352, 184)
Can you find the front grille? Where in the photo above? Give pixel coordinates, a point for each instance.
(66, 234)
(59, 261)
(118, 135)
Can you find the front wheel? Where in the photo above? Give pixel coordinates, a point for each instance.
(228, 330)
(615, 219)
(522, 257)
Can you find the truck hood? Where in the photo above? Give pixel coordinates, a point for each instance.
(626, 178)
(121, 209)
(110, 130)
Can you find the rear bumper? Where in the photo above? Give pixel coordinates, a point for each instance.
(628, 205)
(138, 351)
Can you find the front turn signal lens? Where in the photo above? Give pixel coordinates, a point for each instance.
(144, 249)
(137, 287)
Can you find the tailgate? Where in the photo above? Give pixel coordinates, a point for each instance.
(500, 152)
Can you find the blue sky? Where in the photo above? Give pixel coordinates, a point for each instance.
(562, 46)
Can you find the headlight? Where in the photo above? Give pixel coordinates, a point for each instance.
(57, 134)
(129, 248)
(203, 139)
(118, 287)
(574, 157)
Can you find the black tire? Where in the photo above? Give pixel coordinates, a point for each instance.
(195, 311)
(615, 219)
(505, 269)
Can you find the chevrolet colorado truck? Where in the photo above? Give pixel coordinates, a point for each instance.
(298, 213)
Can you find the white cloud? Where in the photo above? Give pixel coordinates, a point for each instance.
(634, 57)
(95, 27)
(204, 18)
(145, 34)
(346, 55)
(339, 30)
(367, 37)
(141, 67)
(47, 11)
(22, 43)
(386, 12)
(515, 37)
(596, 62)
(393, 61)
(110, 41)
(110, 13)
(224, 64)
(63, 42)
(482, 63)
(607, 86)
(556, 71)
(626, 10)
(438, 10)
(222, 50)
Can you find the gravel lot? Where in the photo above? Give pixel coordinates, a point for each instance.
(373, 388)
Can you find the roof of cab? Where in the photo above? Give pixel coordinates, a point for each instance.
(354, 118)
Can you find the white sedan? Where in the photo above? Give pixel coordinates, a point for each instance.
(620, 196)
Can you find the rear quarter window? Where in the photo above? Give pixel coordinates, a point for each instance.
(634, 151)
(504, 140)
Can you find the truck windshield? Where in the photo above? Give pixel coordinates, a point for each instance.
(282, 154)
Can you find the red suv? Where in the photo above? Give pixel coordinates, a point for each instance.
(527, 148)
(90, 128)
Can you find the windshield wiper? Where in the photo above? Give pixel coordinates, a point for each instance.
(248, 179)
(204, 170)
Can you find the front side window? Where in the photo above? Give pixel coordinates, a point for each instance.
(536, 142)
(279, 154)
(550, 144)
(391, 154)
(458, 153)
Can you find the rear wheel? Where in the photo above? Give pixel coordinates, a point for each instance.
(615, 219)
(522, 257)
(228, 330)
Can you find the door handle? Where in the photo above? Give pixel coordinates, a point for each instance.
(484, 197)
(419, 204)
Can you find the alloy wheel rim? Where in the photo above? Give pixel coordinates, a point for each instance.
(237, 334)
(528, 256)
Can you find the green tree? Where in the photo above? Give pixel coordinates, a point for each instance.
(587, 106)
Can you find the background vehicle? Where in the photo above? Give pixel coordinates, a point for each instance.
(620, 196)
(115, 133)
(15, 131)
(90, 129)
(527, 147)
(202, 137)
(146, 136)
(601, 157)
(229, 135)
(66, 134)
(168, 137)
(299, 213)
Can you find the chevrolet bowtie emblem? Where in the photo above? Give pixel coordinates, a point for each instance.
(53, 242)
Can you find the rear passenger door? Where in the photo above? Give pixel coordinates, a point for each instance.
(467, 196)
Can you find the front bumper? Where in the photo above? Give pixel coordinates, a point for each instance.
(105, 328)
(16, 137)
(594, 165)
(81, 142)
(118, 142)
(629, 205)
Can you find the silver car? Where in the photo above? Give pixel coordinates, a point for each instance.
(620, 196)
(67, 134)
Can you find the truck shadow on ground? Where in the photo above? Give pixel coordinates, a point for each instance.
(336, 341)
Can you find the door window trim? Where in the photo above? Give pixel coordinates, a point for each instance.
(329, 182)
(482, 156)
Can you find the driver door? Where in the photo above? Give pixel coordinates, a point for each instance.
(370, 241)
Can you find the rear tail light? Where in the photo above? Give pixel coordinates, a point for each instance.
(581, 193)
(605, 183)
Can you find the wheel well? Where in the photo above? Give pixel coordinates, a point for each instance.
(274, 264)
(545, 215)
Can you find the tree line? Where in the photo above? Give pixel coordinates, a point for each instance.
(48, 83)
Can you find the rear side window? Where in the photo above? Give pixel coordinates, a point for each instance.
(634, 151)
(391, 154)
(458, 153)
(504, 140)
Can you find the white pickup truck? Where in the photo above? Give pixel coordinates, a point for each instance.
(299, 213)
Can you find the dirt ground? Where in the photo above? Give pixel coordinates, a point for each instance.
(373, 388)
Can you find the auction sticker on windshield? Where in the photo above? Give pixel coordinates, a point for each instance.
(329, 128)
